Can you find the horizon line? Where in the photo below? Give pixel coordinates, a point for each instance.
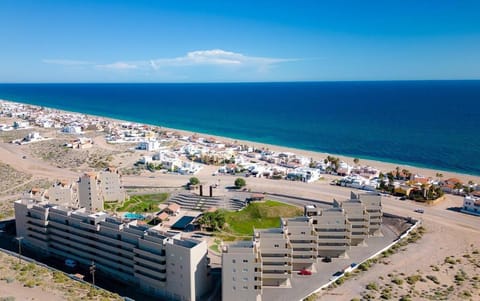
(241, 82)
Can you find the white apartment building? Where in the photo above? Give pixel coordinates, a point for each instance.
(161, 264)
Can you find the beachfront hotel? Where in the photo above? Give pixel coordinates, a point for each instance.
(273, 255)
(161, 264)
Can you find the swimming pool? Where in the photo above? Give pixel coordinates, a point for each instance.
(131, 215)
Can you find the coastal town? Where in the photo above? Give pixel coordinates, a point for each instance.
(142, 203)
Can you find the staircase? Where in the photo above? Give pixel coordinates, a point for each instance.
(191, 201)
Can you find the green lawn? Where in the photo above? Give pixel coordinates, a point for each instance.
(143, 203)
(259, 215)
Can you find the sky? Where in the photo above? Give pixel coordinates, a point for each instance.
(238, 41)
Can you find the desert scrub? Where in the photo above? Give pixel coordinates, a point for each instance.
(372, 286)
(433, 278)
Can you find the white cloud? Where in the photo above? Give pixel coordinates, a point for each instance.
(217, 57)
(66, 62)
(119, 66)
(212, 57)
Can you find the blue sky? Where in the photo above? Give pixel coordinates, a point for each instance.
(224, 41)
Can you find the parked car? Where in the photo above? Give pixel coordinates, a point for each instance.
(305, 272)
(403, 198)
(70, 263)
(327, 259)
(418, 210)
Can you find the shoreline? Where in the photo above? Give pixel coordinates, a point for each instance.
(384, 166)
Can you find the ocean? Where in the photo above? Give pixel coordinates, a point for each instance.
(431, 124)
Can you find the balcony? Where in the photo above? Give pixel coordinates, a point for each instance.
(310, 252)
(147, 262)
(266, 260)
(272, 268)
(311, 245)
(333, 241)
(276, 275)
(147, 255)
(36, 221)
(147, 279)
(149, 272)
(282, 250)
(304, 260)
(332, 248)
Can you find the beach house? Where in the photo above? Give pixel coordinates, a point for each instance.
(471, 205)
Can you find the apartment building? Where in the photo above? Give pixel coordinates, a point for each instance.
(89, 192)
(161, 264)
(62, 193)
(241, 272)
(358, 218)
(304, 241)
(96, 188)
(333, 230)
(373, 205)
(274, 254)
(110, 182)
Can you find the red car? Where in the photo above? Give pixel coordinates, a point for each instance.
(305, 272)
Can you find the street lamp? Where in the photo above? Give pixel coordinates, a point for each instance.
(92, 271)
(19, 238)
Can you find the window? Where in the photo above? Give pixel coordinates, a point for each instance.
(276, 246)
(245, 279)
(233, 260)
(245, 270)
(245, 287)
(245, 260)
(303, 232)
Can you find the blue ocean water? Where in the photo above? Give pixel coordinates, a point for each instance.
(424, 123)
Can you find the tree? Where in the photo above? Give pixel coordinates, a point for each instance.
(239, 183)
(194, 181)
(212, 221)
(356, 160)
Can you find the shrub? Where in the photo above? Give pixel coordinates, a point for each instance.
(372, 286)
(239, 183)
(397, 281)
(194, 181)
(434, 279)
(413, 279)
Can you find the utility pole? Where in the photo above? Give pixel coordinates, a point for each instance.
(92, 271)
(19, 238)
